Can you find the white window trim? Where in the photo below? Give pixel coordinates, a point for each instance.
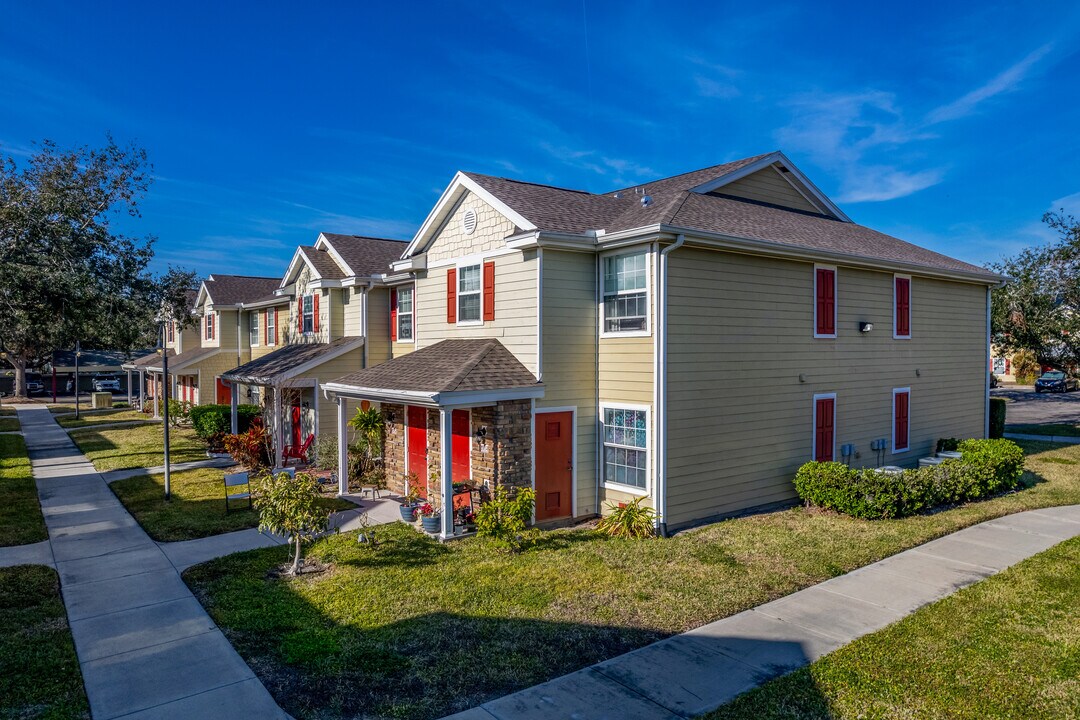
(897, 276)
(836, 302)
(254, 326)
(628, 489)
(271, 326)
(892, 434)
(457, 295)
(646, 250)
(813, 422)
(412, 286)
(303, 312)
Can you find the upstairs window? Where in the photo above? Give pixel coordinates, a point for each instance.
(172, 331)
(902, 306)
(470, 287)
(210, 326)
(253, 328)
(404, 313)
(307, 317)
(825, 302)
(271, 327)
(626, 298)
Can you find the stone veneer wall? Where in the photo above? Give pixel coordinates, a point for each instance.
(513, 443)
(394, 447)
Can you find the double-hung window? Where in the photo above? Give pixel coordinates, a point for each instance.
(209, 326)
(271, 326)
(626, 296)
(308, 317)
(253, 328)
(626, 447)
(470, 286)
(405, 313)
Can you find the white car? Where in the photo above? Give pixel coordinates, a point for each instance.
(106, 384)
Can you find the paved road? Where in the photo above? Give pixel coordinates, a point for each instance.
(1028, 407)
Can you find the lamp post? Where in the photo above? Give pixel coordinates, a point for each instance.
(3, 358)
(78, 354)
(164, 352)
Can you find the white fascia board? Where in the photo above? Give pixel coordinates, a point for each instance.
(561, 241)
(380, 394)
(411, 264)
(474, 397)
(323, 243)
(272, 302)
(286, 291)
(203, 295)
(457, 187)
(324, 284)
(294, 268)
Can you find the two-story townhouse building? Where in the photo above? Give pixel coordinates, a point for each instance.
(690, 342)
(146, 372)
(312, 329)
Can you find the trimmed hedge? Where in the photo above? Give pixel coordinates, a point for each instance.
(209, 420)
(986, 468)
(997, 417)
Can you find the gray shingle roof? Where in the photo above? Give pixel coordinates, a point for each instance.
(151, 359)
(324, 265)
(447, 366)
(366, 256)
(673, 203)
(236, 289)
(275, 366)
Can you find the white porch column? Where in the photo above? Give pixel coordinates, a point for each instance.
(129, 387)
(342, 448)
(234, 400)
(279, 448)
(142, 390)
(446, 437)
(157, 396)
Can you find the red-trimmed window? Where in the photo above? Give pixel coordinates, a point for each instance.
(901, 419)
(902, 306)
(209, 326)
(825, 302)
(308, 314)
(824, 427)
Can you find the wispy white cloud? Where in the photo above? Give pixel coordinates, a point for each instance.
(620, 171)
(714, 80)
(1004, 82)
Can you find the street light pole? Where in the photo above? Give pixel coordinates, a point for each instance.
(164, 350)
(78, 354)
(3, 358)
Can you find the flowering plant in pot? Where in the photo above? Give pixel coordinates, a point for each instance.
(430, 517)
(409, 504)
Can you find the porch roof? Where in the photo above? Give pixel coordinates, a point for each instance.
(180, 364)
(451, 372)
(146, 361)
(289, 361)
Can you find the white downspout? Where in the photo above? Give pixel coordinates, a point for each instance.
(660, 386)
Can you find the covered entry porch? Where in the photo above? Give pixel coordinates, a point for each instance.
(457, 414)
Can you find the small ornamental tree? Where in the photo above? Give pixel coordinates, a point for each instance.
(286, 506)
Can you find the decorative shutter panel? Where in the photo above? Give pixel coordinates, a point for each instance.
(826, 302)
(451, 295)
(275, 326)
(823, 435)
(489, 291)
(903, 306)
(900, 422)
(393, 313)
(315, 312)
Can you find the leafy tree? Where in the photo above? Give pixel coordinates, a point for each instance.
(68, 275)
(1039, 308)
(286, 506)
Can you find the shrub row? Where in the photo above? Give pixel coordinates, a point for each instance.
(986, 467)
(209, 420)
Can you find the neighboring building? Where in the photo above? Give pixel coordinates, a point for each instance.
(312, 327)
(1001, 365)
(690, 342)
(144, 374)
(92, 363)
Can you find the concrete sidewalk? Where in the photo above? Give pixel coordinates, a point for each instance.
(698, 671)
(1066, 439)
(39, 553)
(146, 647)
(111, 476)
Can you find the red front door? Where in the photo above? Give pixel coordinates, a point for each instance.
(224, 392)
(416, 436)
(297, 426)
(460, 467)
(554, 464)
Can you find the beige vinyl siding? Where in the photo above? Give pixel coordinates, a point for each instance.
(515, 308)
(263, 348)
(451, 242)
(768, 186)
(290, 333)
(352, 308)
(189, 339)
(335, 311)
(330, 371)
(740, 334)
(569, 352)
(378, 325)
(211, 368)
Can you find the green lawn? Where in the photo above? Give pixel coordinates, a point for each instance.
(1008, 647)
(197, 508)
(416, 629)
(9, 424)
(1059, 429)
(137, 446)
(21, 521)
(39, 672)
(101, 417)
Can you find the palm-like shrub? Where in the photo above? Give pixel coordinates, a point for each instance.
(629, 520)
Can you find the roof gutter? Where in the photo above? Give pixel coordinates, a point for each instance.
(660, 384)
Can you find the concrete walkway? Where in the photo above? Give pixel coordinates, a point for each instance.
(111, 476)
(34, 554)
(698, 671)
(1067, 439)
(146, 647)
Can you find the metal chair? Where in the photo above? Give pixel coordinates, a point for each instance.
(237, 480)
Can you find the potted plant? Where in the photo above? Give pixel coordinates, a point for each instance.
(430, 518)
(408, 506)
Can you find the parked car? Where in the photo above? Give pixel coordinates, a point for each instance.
(106, 383)
(34, 386)
(1056, 381)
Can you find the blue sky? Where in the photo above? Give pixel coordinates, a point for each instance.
(954, 126)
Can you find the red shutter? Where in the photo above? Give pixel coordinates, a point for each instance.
(826, 301)
(393, 313)
(300, 314)
(451, 295)
(824, 431)
(903, 307)
(315, 313)
(900, 421)
(275, 326)
(489, 291)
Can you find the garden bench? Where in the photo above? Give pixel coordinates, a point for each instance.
(237, 480)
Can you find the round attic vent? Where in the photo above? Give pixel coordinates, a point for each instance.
(468, 221)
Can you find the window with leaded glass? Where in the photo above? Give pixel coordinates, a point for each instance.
(626, 297)
(626, 457)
